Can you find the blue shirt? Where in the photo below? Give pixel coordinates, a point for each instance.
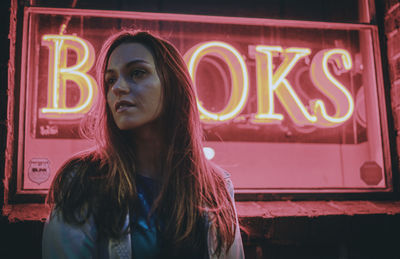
(145, 238)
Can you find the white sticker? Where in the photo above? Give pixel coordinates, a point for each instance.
(39, 170)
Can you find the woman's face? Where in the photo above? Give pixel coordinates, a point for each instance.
(134, 91)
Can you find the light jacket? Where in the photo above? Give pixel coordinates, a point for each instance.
(65, 241)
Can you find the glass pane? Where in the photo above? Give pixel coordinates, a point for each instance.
(286, 106)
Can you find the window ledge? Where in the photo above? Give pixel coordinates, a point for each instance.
(29, 212)
(317, 222)
(252, 209)
(277, 209)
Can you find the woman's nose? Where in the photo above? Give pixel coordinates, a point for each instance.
(120, 87)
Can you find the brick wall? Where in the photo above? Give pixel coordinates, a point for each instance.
(392, 32)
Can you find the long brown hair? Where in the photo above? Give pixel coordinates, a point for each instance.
(103, 184)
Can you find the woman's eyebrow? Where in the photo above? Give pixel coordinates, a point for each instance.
(127, 65)
(135, 61)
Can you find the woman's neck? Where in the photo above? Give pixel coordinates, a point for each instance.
(149, 152)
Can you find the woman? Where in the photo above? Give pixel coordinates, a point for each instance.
(146, 191)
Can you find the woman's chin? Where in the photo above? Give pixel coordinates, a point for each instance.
(127, 126)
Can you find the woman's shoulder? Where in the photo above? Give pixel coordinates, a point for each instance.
(72, 188)
(221, 171)
(82, 162)
(226, 176)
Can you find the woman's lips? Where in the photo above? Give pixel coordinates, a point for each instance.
(123, 108)
(123, 105)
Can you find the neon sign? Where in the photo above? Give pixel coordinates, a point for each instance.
(59, 73)
(271, 82)
(333, 89)
(238, 72)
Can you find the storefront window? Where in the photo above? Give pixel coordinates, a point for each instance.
(286, 106)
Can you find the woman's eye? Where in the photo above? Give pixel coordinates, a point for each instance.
(110, 81)
(138, 73)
